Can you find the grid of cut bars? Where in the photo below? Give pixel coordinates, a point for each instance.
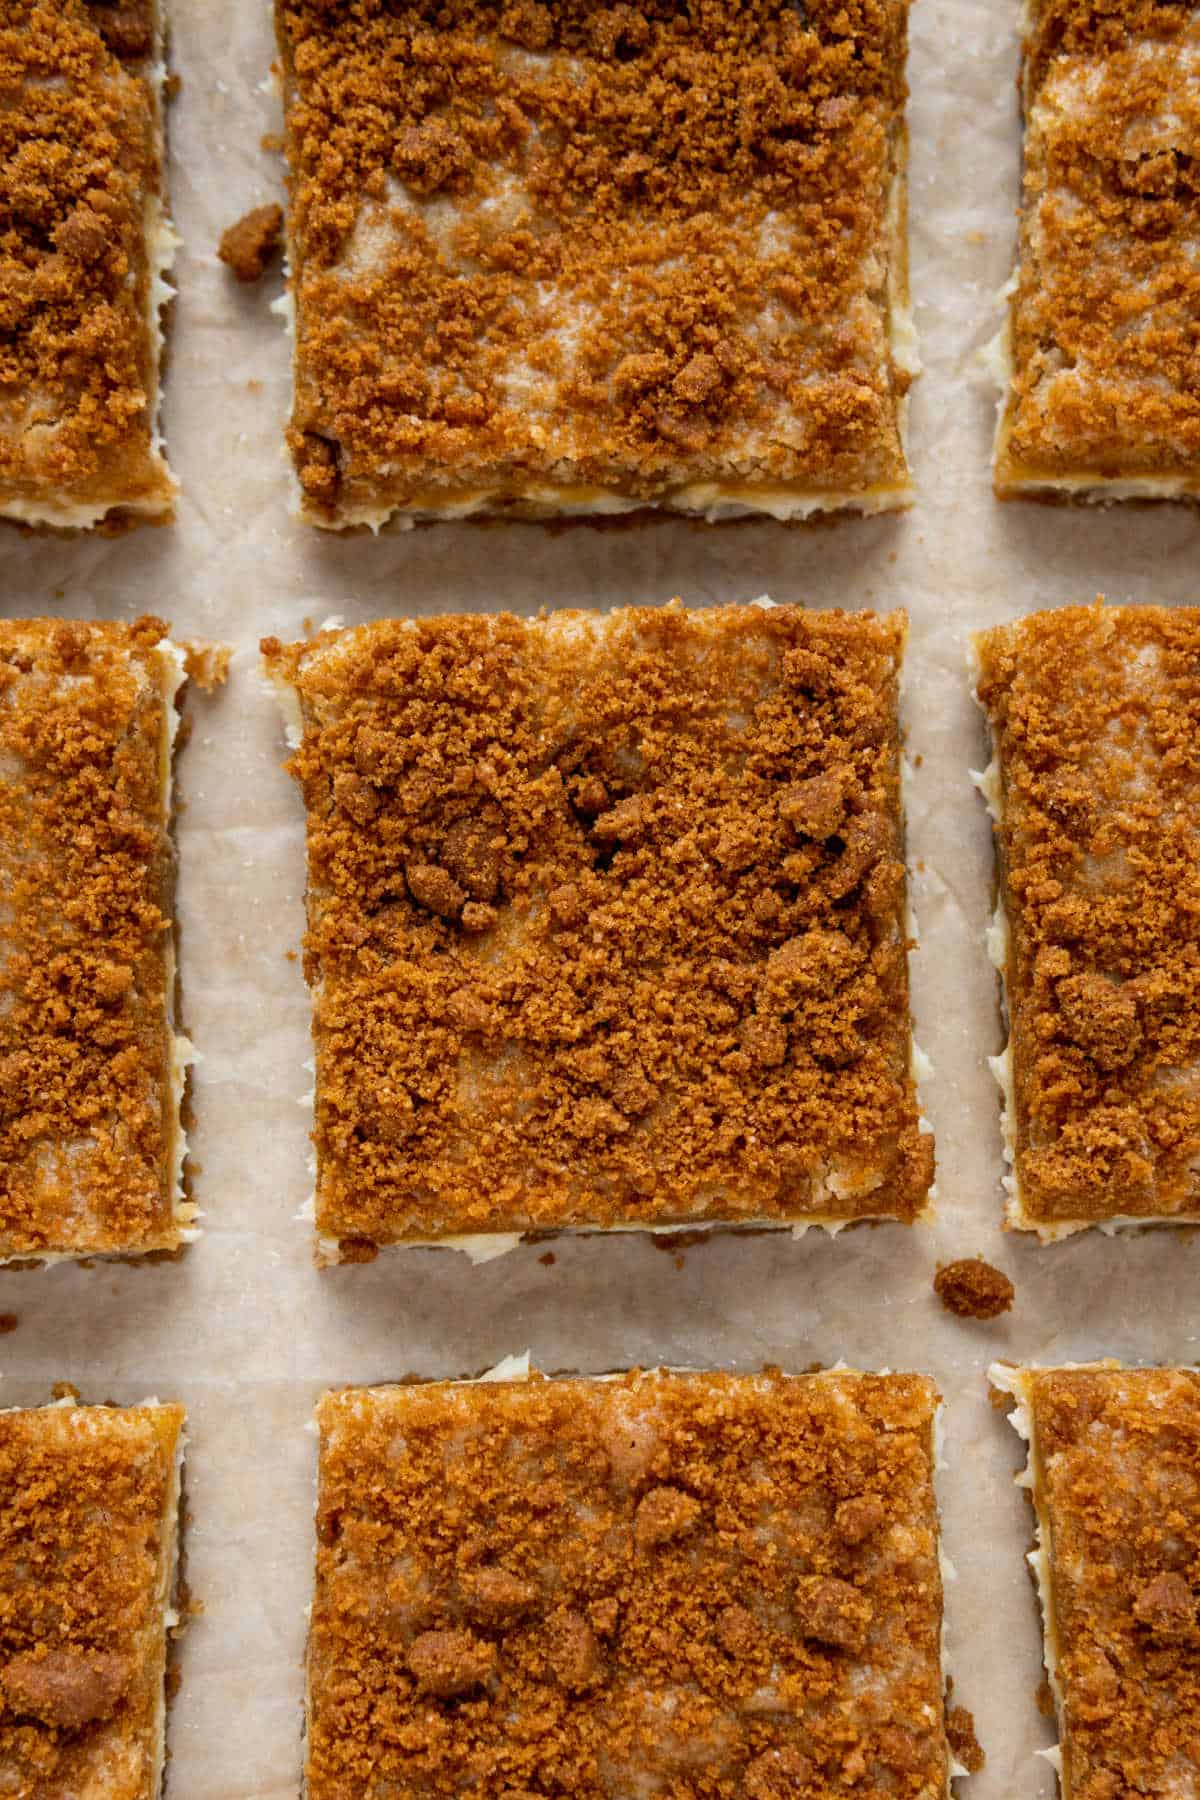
(606, 923)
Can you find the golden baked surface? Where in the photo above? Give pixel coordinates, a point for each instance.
(1106, 383)
(1117, 1474)
(87, 1499)
(606, 921)
(88, 1119)
(665, 1585)
(544, 255)
(81, 147)
(1095, 713)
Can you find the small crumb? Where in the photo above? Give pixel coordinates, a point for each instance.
(8, 1322)
(65, 1390)
(172, 84)
(207, 663)
(248, 246)
(291, 955)
(680, 1262)
(965, 1746)
(271, 141)
(1045, 1697)
(973, 1289)
(547, 1259)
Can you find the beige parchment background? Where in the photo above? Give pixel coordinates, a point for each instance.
(243, 1329)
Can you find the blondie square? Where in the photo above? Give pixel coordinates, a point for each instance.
(84, 245)
(1114, 1477)
(91, 1070)
(1102, 394)
(656, 1584)
(1095, 718)
(607, 923)
(89, 1527)
(580, 259)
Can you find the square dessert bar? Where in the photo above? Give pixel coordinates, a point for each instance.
(1114, 1477)
(89, 1529)
(654, 1584)
(84, 245)
(606, 923)
(580, 259)
(91, 1071)
(1095, 790)
(1098, 357)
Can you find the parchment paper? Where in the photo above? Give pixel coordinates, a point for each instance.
(244, 1330)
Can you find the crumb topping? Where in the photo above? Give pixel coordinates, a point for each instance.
(85, 1549)
(1117, 1472)
(1107, 306)
(1096, 717)
(746, 1649)
(88, 1115)
(974, 1289)
(248, 247)
(572, 961)
(593, 249)
(80, 144)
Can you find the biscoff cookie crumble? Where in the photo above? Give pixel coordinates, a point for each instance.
(1114, 1476)
(606, 923)
(89, 1524)
(1103, 398)
(1095, 719)
(656, 1583)
(579, 259)
(84, 242)
(91, 1071)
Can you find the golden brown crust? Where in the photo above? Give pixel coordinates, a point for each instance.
(641, 251)
(1104, 318)
(1095, 712)
(80, 138)
(1117, 1486)
(606, 921)
(88, 1115)
(87, 1497)
(594, 1588)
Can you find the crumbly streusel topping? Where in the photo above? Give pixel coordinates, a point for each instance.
(610, 247)
(1096, 718)
(674, 1585)
(606, 921)
(87, 1111)
(84, 1497)
(1107, 308)
(80, 145)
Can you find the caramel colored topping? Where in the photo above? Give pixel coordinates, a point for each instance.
(249, 246)
(1107, 303)
(683, 1661)
(571, 963)
(87, 1497)
(1117, 1484)
(81, 145)
(974, 1289)
(546, 254)
(1096, 718)
(88, 1111)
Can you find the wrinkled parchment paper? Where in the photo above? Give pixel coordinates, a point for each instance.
(243, 1329)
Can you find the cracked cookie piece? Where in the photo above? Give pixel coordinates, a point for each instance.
(1095, 720)
(1115, 1483)
(89, 1528)
(84, 246)
(606, 923)
(92, 1072)
(709, 1584)
(1098, 356)
(581, 259)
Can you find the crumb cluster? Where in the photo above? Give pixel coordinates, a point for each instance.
(606, 921)
(80, 208)
(544, 255)
(1106, 309)
(1095, 713)
(88, 1115)
(249, 245)
(1117, 1484)
(708, 1584)
(87, 1498)
(973, 1289)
